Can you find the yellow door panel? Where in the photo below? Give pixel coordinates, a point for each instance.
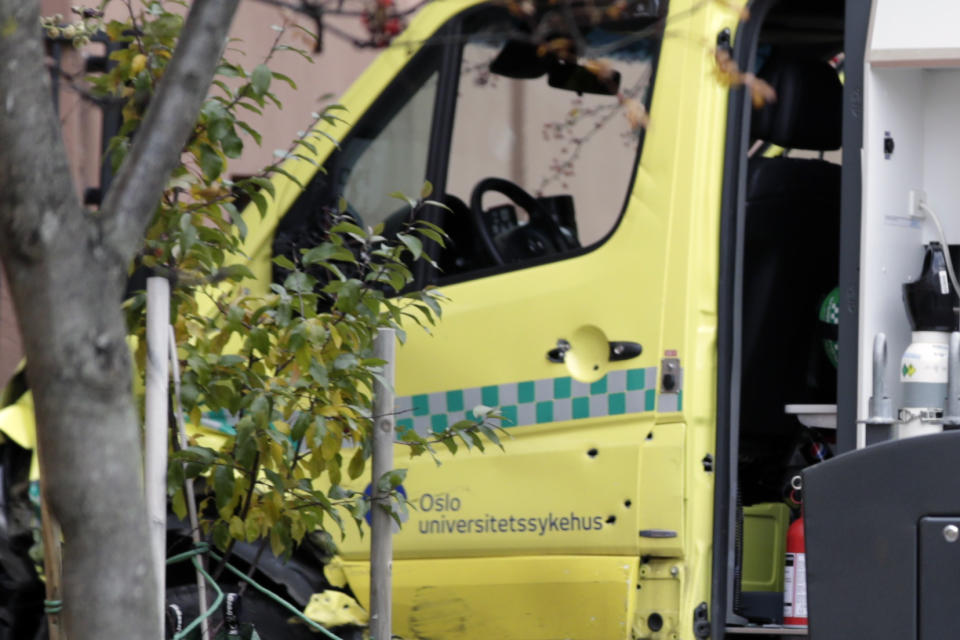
(616, 489)
(499, 329)
(509, 598)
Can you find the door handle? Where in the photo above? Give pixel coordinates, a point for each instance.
(559, 353)
(619, 350)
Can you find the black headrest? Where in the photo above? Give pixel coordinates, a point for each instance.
(808, 111)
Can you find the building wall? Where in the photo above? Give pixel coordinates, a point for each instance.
(318, 83)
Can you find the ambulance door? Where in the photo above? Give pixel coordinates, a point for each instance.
(566, 312)
(554, 274)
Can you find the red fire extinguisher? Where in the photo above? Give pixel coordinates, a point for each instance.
(795, 578)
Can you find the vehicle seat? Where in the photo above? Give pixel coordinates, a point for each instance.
(791, 247)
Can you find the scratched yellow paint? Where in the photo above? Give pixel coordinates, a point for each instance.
(527, 597)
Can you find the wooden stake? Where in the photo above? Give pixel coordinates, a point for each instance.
(381, 524)
(52, 567)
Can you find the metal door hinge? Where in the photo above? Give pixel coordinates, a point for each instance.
(701, 622)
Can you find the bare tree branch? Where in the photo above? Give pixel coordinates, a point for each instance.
(334, 7)
(130, 203)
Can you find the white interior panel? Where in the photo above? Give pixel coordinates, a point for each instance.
(915, 24)
(918, 107)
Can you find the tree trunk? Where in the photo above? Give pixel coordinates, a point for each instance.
(67, 268)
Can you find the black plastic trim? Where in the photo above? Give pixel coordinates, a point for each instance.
(658, 533)
(441, 130)
(855, 42)
(729, 323)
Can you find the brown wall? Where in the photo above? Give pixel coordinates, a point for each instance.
(331, 73)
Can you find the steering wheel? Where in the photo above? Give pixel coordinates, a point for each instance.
(543, 230)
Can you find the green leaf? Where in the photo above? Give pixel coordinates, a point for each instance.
(319, 254)
(348, 227)
(232, 144)
(218, 129)
(223, 483)
(432, 235)
(300, 426)
(391, 480)
(232, 360)
(357, 462)
(259, 201)
(260, 340)
(490, 434)
(294, 179)
(264, 184)
(399, 195)
(179, 504)
(284, 263)
(301, 52)
(440, 205)
(202, 455)
(210, 162)
(249, 107)
(253, 133)
(279, 538)
(237, 219)
(221, 535)
(236, 272)
(319, 373)
(426, 189)
(260, 79)
(312, 148)
(449, 443)
(284, 78)
(324, 134)
(300, 282)
(228, 70)
(275, 479)
(345, 361)
(412, 243)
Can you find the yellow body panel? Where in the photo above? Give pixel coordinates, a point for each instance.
(546, 494)
(469, 569)
(520, 597)
(18, 423)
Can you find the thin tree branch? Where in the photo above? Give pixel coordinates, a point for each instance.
(130, 203)
(334, 9)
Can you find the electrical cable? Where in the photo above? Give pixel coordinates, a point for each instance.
(203, 548)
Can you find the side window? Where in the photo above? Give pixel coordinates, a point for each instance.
(534, 151)
(395, 159)
(543, 150)
(386, 151)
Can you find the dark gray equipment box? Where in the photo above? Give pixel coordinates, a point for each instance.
(882, 528)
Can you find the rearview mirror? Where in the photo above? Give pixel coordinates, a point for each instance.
(519, 60)
(574, 77)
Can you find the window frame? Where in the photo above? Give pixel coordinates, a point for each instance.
(322, 188)
(448, 43)
(449, 85)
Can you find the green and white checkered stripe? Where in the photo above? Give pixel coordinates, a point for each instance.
(533, 401)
